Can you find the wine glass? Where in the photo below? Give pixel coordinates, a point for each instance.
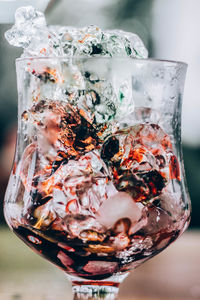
(98, 185)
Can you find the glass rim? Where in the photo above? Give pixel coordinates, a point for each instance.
(153, 60)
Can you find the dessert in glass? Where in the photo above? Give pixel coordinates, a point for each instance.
(97, 185)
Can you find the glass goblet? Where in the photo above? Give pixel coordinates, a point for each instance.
(98, 184)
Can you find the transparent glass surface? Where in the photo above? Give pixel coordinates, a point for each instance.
(98, 184)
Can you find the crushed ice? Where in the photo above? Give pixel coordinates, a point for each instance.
(37, 39)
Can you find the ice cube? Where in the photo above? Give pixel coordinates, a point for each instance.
(120, 242)
(141, 161)
(29, 24)
(31, 32)
(85, 181)
(65, 127)
(25, 167)
(29, 14)
(171, 202)
(119, 206)
(100, 267)
(82, 226)
(138, 244)
(59, 202)
(121, 43)
(137, 47)
(158, 221)
(66, 260)
(75, 186)
(44, 216)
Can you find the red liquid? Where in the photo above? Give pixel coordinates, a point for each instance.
(73, 256)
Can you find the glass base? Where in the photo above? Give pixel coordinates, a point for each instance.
(97, 289)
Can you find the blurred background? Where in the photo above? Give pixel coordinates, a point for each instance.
(169, 30)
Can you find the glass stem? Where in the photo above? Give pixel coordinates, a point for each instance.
(106, 289)
(91, 292)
